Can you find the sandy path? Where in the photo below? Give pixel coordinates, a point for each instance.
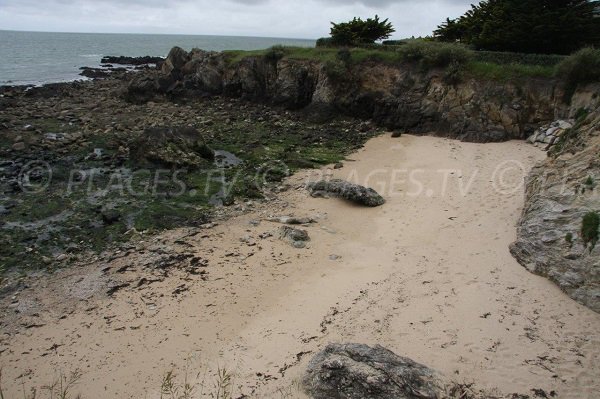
(428, 275)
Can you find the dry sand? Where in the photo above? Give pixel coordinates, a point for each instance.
(427, 275)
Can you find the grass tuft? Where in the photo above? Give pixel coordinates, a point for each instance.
(589, 228)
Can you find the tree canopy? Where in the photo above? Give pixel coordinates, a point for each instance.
(358, 31)
(528, 26)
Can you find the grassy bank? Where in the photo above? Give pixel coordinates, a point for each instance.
(499, 66)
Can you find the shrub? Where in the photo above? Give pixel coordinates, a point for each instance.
(589, 181)
(432, 54)
(325, 42)
(344, 55)
(589, 228)
(336, 70)
(579, 68)
(275, 53)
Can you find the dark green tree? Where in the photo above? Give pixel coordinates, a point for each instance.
(357, 31)
(528, 26)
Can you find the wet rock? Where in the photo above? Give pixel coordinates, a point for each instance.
(349, 191)
(94, 73)
(171, 146)
(298, 238)
(122, 60)
(355, 371)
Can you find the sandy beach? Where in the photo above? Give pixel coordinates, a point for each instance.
(428, 275)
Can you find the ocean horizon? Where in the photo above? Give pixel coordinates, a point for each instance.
(37, 58)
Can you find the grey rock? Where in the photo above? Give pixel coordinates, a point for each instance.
(349, 191)
(175, 61)
(296, 237)
(355, 371)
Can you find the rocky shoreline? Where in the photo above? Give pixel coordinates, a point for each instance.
(300, 104)
(98, 167)
(81, 170)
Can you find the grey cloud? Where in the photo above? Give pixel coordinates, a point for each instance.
(277, 18)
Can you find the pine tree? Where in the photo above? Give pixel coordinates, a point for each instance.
(529, 26)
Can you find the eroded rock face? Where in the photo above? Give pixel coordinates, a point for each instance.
(398, 97)
(559, 192)
(355, 371)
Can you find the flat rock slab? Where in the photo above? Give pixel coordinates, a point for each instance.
(356, 371)
(352, 192)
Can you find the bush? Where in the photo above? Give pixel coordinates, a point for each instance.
(431, 54)
(336, 70)
(579, 68)
(589, 228)
(325, 42)
(276, 53)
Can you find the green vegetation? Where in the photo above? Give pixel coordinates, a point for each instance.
(458, 59)
(358, 31)
(589, 228)
(590, 182)
(432, 55)
(488, 70)
(526, 26)
(569, 238)
(580, 68)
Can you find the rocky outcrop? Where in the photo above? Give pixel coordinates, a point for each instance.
(123, 60)
(354, 371)
(559, 193)
(171, 147)
(352, 192)
(395, 96)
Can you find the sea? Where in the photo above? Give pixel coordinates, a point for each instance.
(36, 58)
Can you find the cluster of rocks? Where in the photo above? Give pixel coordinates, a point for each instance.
(548, 135)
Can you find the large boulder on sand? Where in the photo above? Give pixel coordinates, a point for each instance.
(171, 147)
(355, 371)
(349, 191)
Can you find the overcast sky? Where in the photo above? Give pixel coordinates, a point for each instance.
(271, 18)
